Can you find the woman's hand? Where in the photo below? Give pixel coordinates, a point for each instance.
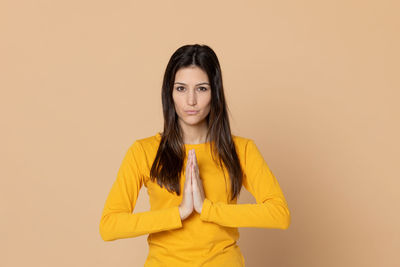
(186, 206)
(197, 185)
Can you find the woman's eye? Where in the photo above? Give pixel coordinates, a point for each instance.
(181, 88)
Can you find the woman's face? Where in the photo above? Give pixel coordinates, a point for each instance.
(191, 92)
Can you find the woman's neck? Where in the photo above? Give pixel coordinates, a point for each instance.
(194, 134)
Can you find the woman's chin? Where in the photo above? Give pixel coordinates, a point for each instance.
(193, 121)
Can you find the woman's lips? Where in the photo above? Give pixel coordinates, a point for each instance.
(192, 112)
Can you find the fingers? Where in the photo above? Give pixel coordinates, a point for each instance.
(189, 162)
(195, 183)
(195, 166)
(192, 177)
(194, 157)
(188, 180)
(190, 166)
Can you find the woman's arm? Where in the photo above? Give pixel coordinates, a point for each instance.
(117, 220)
(271, 210)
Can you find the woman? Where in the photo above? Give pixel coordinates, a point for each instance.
(193, 171)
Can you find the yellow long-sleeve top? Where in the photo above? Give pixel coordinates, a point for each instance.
(206, 239)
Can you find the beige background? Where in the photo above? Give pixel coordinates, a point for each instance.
(314, 83)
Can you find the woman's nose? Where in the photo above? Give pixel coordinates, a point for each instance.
(191, 97)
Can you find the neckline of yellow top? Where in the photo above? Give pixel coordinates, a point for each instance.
(190, 146)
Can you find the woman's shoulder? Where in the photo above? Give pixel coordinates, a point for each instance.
(150, 139)
(147, 142)
(241, 139)
(241, 143)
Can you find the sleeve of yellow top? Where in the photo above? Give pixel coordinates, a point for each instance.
(117, 220)
(271, 210)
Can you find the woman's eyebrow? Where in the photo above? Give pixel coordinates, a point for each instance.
(196, 84)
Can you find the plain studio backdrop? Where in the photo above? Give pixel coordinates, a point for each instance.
(314, 83)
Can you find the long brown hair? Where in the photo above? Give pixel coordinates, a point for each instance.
(168, 163)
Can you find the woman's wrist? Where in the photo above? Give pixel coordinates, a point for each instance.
(182, 213)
